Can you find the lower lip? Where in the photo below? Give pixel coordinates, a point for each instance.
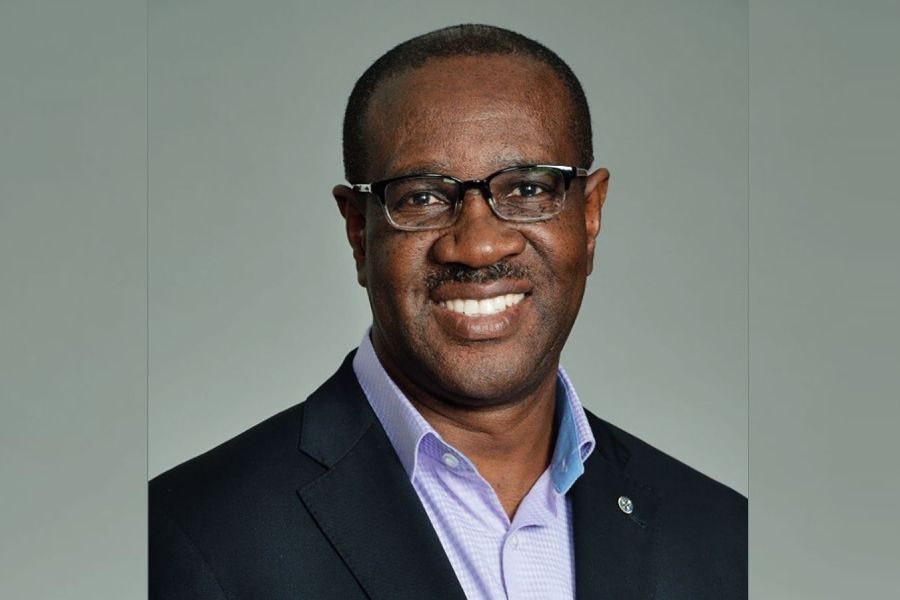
(481, 327)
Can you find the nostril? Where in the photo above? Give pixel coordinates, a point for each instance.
(478, 244)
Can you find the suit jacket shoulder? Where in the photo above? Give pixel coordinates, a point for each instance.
(219, 524)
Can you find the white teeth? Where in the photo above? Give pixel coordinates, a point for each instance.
(488, 306)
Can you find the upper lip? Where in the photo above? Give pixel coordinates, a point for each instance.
(479, 291)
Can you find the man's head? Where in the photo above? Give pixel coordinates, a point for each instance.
(456, 41)
(467, 102)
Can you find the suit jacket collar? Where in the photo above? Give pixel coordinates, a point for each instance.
(366, 506)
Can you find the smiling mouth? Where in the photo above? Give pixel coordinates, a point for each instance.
(486, 306)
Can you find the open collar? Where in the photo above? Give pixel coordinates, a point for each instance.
(407, 428)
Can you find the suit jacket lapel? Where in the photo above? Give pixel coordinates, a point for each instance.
(613, 550)
(364, 503)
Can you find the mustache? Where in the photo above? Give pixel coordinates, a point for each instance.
(458, 273)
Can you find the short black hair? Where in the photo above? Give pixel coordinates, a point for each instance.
(457, 40)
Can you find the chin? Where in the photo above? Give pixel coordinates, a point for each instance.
(487, 384)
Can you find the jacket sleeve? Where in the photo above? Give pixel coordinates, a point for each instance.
(177, 568)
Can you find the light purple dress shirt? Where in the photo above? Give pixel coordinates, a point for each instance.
(531, 557)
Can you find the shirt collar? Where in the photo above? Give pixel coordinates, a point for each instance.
(407, 428)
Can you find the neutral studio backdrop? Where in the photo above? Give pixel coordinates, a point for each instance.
(243, 142)
(252, 295)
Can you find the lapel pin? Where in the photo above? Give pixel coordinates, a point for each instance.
(626, 505)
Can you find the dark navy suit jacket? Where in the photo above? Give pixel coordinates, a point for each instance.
(313, 503)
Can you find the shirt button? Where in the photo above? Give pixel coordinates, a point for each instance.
(450, 460)
(514, 540)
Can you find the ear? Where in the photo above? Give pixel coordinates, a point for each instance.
(354, 213)
(594, 197)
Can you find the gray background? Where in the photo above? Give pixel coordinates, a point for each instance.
(253, 295)
(824, 298)
(73, 288)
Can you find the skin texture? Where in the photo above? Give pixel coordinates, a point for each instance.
(487, 385)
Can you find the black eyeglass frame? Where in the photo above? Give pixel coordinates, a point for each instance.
(377, 189)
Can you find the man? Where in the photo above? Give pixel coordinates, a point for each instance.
(449, 456)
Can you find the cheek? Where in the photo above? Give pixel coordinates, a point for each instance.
(396, 269)
(565, 250)
(564, 260)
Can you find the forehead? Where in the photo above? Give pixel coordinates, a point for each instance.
(469, 115)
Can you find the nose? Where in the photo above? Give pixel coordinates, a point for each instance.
(478, 238)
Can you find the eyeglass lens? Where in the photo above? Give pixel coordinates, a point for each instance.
(528, 194)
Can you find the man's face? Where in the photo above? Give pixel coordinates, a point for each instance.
(468, 117)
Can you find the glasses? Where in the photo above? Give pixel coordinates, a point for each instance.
(522, 194)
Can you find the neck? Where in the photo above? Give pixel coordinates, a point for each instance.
(511, 445)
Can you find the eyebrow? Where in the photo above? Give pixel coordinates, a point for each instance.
(442, 168)
(424, 168)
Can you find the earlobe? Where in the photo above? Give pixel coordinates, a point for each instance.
(594, 196)
(355, 224)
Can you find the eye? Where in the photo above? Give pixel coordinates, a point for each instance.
(422, 200)
(528, 189)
